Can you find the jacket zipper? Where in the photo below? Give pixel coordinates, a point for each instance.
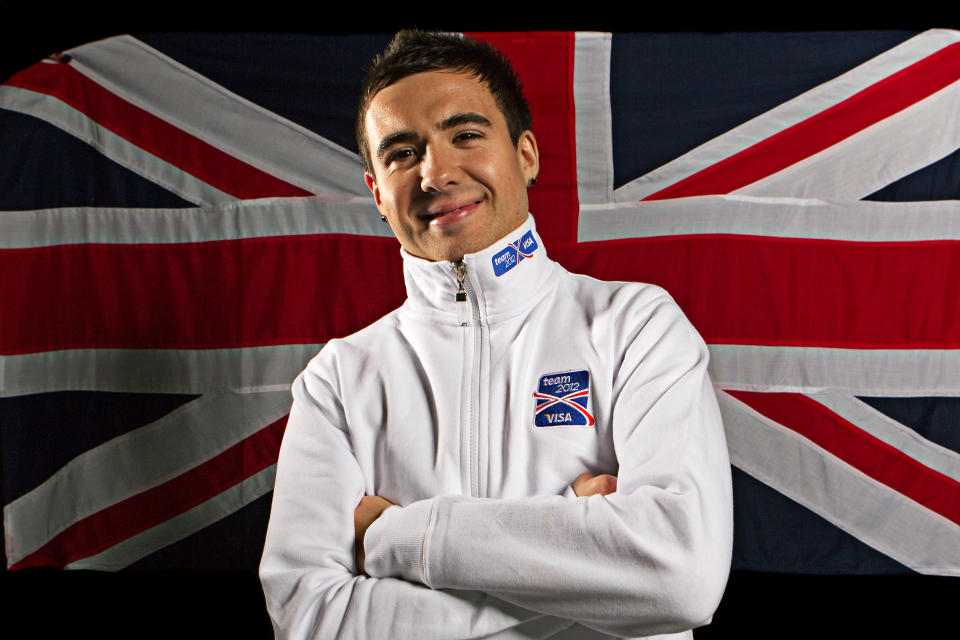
(465, 293)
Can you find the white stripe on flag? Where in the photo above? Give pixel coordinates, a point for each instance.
(177, 528)
(591, 94)
(789, 113)
(229, 221)
(128, 464)
(175, 93)
(240, 370)
(869, 510)
(888, 430)
(877, 156)
(118, 149)
(862, 372)
(858, 221)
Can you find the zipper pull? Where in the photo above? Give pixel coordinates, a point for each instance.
(460, 270)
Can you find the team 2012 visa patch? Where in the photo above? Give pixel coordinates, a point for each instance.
(562, 400)
(514, 253)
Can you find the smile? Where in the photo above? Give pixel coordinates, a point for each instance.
(450, 215)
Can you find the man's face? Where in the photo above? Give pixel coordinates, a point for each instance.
(448, 178)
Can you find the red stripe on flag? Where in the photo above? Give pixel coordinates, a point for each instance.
(306, 289)
(794, 292)
(150, 508)
(810, 136)
(872, 456)
(261, 291)
(150, 133)
(544, 62)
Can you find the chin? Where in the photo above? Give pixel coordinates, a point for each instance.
(451, 250)
(449, 256)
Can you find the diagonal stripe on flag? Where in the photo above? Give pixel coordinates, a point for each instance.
(867, 453)
(792, 113)
(128, 465)
(111, 145)
(148, 509)
(178, 527)
(891, 432)
(875, 156)
(156, 136)
(876, 514)
(146, 77)
(803, 139)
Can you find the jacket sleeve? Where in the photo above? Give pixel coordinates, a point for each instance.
(651, 558)
(308, 570)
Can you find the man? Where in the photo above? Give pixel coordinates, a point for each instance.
(424, 482)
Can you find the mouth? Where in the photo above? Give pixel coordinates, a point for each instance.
(444, 215)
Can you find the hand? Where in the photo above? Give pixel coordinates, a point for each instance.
(367, 511)
(588, 484)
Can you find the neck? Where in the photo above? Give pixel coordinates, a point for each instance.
(502, 279)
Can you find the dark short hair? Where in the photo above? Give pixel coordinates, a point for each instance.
(413, 51)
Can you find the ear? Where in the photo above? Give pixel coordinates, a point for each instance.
(528, 155)
(372, 185)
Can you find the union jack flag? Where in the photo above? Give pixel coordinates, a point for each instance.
(184, 224)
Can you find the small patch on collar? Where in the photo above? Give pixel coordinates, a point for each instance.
(563, 399)
(514, 253)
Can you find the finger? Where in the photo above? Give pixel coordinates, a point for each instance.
(582, 483)
(606, 484)
(589, 485)
(367, 511)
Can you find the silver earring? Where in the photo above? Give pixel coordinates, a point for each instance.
(383, 218)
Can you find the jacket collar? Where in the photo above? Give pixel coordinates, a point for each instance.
(505, 279)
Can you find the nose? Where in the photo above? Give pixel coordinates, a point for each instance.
(437, 169)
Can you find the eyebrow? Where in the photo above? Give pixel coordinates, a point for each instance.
(450, 122)
(392, 139)
(458, 119)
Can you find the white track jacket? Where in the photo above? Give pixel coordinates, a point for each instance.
(475, 417)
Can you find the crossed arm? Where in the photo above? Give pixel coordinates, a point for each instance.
(371, 507)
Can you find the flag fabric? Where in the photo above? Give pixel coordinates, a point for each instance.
(183, 224)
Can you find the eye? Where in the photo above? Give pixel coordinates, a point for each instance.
(400, 155)
(467, 136)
